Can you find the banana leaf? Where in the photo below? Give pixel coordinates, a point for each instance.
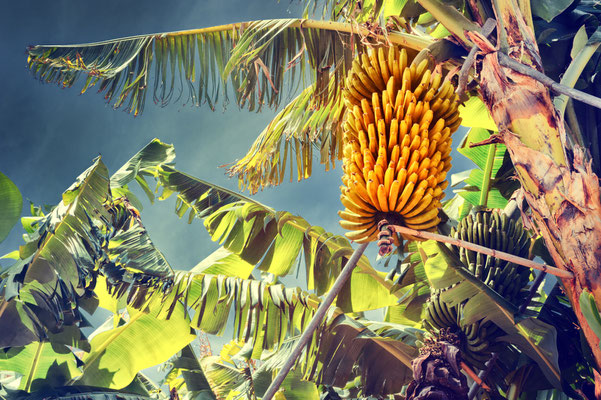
(11, 203)
(40, 365)
(118, 354)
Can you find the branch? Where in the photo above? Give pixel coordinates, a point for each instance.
(317, 318)
(586, 98)
(484, 250)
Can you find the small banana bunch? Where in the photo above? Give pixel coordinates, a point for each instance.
(496, 231)
(397, 143)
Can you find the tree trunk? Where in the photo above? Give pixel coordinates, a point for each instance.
(557, 181)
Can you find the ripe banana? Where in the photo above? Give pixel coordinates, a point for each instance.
(396, 142)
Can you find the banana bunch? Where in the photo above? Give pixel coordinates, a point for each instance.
(397, 142)
(496, 231)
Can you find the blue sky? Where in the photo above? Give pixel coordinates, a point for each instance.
(49, 135)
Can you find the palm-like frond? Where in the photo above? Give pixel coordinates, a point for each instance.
(85, 235)
(38, 293)
(303, 126)
(275, 240)
(266, 314)
(252, 56)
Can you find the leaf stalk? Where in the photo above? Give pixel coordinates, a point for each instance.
(315, 322)
(484, 250)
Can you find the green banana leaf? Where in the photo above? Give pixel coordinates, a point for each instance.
(264, 315)
(40, 364)
(301, 127)
(118, 354)
(55, 261)
(251, 56)
(275, 240)
(143, 164)
(238, 383)
(494, 171)
(11, 203)
(187, 376)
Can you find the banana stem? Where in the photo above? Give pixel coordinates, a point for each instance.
(470, 372)
(485, 250)
(317, 318)
(482, 375)
(490, 160)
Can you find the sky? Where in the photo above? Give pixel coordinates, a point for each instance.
(49, 135)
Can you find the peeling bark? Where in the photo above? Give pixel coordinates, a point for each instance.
(563, 194)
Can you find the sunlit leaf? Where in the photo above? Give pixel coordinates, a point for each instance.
(11, 204)
(41, 364)
(118, 354)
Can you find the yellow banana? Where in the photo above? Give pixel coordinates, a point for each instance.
(420, 69)
(372, 191)
(422, 218)
(403, 130)
(415, 197)
(426, 120)
(356, 199)
(404, 197)
(355, 96)
(415, 142)
(432, 148)
(368, 159)
(363, 235)
(426, 201)
(353, 226)
(383, 65)
(391, 90)
(372, 138)
(417, 113)
(356, 218)
(379, 170)
(402, 177)
(382, 158)
(388, 113)
(376, 78)
(409, 112)
(406, 80)
(367, 82)
(359, 87)
(360, 190)
(359, 118)
(383, 198)
(394, 155)
(389, 176)
(358, 159)
(363, 140)
(382, 134)
(355, 208)
(413, 164)
(427, 225)
(436, 80)
(393, 194)
(393, 136)
(422, 175)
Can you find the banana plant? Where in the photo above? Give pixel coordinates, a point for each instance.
(504, 71)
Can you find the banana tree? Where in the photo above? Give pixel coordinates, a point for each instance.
(92, 251)
(544, 137)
